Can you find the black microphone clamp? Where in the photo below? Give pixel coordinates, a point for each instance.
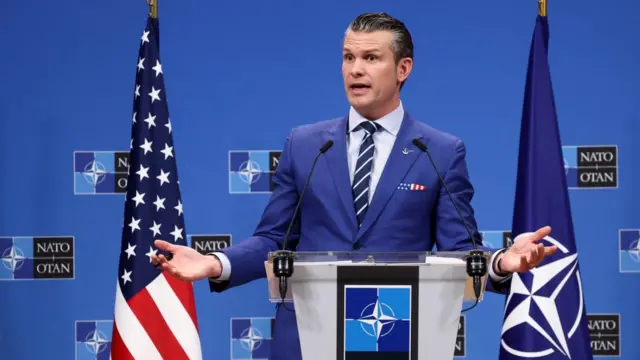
(476, 262)
(283, 268)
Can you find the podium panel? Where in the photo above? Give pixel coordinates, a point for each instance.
(392, 306)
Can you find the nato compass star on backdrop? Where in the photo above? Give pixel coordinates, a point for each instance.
(13, 258)
(94, 172)
(536, 292)
(250, 171)
(251, 339)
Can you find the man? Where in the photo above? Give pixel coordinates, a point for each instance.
(353, 201)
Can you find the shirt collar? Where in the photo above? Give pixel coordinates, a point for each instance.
(390, 122)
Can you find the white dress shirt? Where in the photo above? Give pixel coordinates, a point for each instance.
(383, 140)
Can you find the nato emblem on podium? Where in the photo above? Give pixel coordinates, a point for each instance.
(377, 313)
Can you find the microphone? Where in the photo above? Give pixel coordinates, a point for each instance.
(476, 263)
(283, 259)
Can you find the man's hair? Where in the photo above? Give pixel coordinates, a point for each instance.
(401, 45)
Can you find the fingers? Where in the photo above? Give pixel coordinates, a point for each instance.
(164, 245)
(538, 255)
(550, 250)
(542, 232)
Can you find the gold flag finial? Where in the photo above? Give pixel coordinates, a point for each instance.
(542, 7)
(153, 8)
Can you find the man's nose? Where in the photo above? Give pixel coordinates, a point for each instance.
(357, 69)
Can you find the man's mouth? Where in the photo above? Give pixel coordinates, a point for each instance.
(359, 88)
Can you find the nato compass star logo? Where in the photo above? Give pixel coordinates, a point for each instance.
(251, 338)
(377, 319)
(549, 299)
(251, 172)
(93, 339)
(13, 258)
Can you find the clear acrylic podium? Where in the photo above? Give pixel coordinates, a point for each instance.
(374, 305)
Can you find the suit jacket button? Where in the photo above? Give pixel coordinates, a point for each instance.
(356, 246)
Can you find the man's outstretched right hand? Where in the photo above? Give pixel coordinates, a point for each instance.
(186, 263)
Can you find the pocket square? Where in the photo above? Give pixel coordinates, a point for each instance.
(411, 187)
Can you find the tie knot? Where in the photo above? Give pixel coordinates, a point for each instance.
(369, 126)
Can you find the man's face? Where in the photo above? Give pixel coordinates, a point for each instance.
(371, 76)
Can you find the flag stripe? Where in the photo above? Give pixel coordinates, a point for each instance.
(133, 335)
(184, 292)
(176, 316)
(156, 327)
(118, 349)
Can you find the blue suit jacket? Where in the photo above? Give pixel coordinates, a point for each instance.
(396, 220)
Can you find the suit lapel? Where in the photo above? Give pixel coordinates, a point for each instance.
(397, 166)
(336, 159)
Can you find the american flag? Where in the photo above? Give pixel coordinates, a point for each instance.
(155, 315)
(413, 187)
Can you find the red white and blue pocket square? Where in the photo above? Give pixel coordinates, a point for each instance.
(411, 187)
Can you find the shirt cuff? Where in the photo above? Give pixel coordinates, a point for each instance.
(492, 274)
(226, 267)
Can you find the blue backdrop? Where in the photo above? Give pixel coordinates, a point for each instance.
(239, 76)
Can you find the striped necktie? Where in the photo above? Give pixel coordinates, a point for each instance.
(362, 174)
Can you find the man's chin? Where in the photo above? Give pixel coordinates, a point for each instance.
(360, 103)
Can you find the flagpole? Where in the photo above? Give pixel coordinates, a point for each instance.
(542, 7)
(153, 8)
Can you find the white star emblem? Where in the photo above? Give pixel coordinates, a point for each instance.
(146, 146)
(145, 37)
(159, 203)
(163, 177)
(137, 93)
(139, 198)
(140, 67)
(167, 151)
(157, 68)
(155, 94)
(151, 120)
(168, 125)
(143, 172)
(130, 250)
(177, 233)
(134, 224)
(537, 296)
(179, 207)
(126, 277)
(155, 228)
(151, 252)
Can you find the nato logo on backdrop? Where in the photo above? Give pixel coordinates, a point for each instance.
(205, 244)
(251, 172)
(100, 172)
(251, 338)
(591, 167)
(629, 250)
(37, 258)
(604, 334)
(93, 339)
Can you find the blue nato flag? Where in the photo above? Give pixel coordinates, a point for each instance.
(545, 315)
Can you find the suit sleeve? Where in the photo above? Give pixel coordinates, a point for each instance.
(248, 256)
(451, 233)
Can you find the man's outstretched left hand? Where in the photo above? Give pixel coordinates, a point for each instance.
(526, 252)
